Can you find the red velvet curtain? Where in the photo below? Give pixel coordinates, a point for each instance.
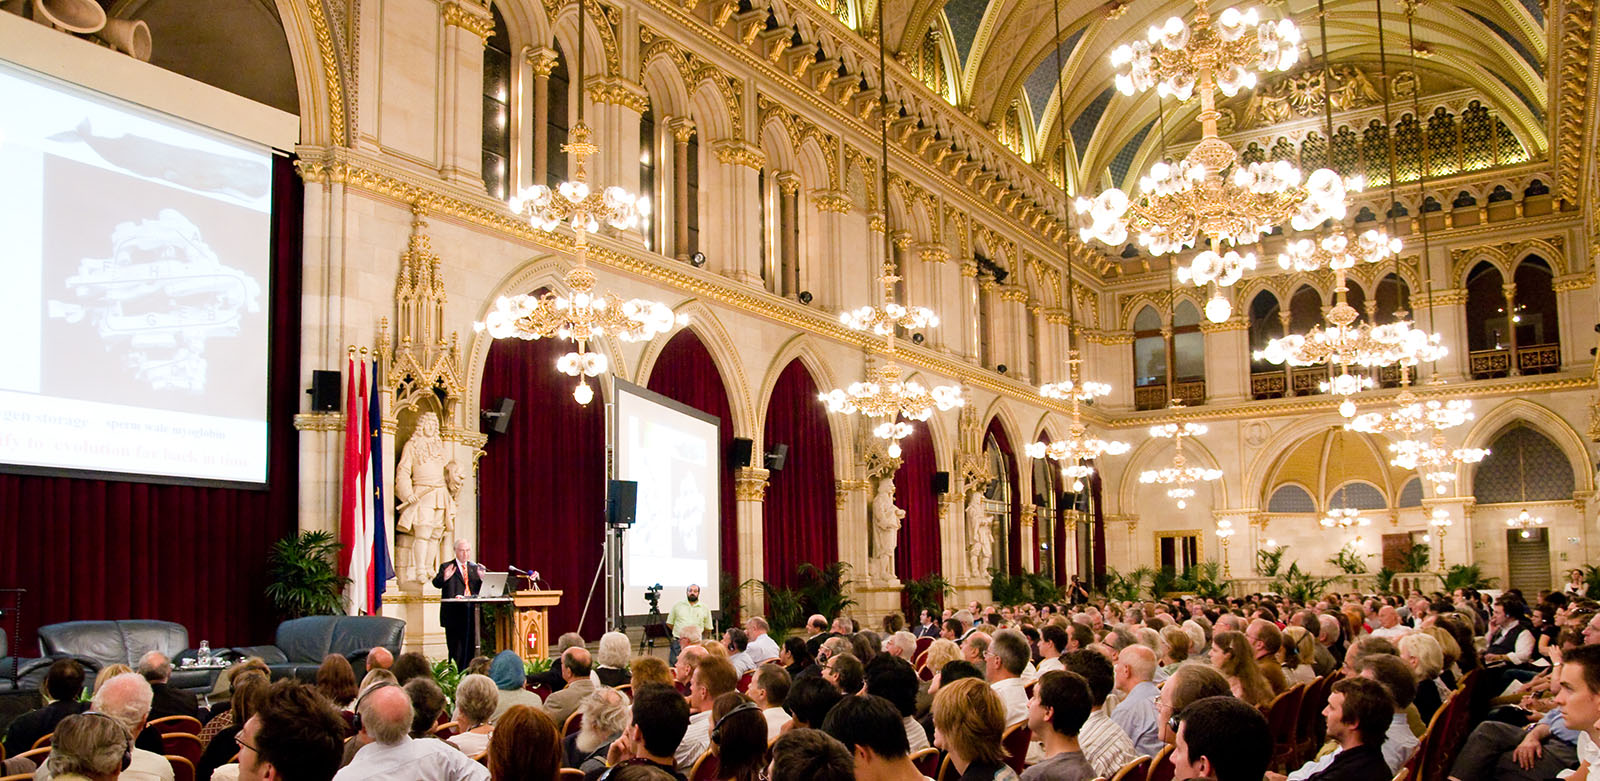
(800, 519)
(1058, 546)
(916, 553)
(1099, 531)
(542, 483)
(100, 549)
(1014, 541)
(685, 372)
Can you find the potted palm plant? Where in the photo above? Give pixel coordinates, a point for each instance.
(305, 576)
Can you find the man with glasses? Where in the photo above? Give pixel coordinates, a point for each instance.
(1003, 663)
(845, 672)
(294, 735)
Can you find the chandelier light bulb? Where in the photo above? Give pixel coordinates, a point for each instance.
(1218, 309)
(583, 394)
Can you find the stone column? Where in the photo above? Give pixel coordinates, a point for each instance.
(1030, 539)
(969, 290)
(1053, 360)
(927, 289)
(732, 234)
(1227, 351)
(1011, 309)
(682, 129)
(787, 246)
(1576, 306)
(542, 62)
(825, 247)
(750, 493)
(1108, 357)
(1450, 318)
(617, 104)
(1510, 291)
(467, 27)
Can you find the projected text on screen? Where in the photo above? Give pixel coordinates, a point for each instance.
(135, 299)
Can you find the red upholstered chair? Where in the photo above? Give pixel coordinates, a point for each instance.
(542, 690)
(1281, 717)
(567, 773)
(188, 724)
(919, 660)
(573, 723)
(925, 673)
(1161, 768)
(1015, 741)
(1134, 770)
(922, 644)
(444, 731)
(927, 761)
(183, 745)
(18, 777)
(744, 680)
(38, 755)
(705, 768)
(947, 770)
(44, 741)
(182, 768)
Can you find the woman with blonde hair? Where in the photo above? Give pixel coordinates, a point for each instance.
(968, 722)
(477, 697)
(1297, 654)
(1421, 652)
(1177, 648)
(525, 746)
(645, 670)
(940, 653)
(107, 673)
(1231, 655)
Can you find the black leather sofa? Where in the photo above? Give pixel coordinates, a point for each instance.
(29, 672)
(101, 643)
(302, 643)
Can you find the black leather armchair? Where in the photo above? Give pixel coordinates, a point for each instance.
(101, 643)
(29, 672)
(301, 643)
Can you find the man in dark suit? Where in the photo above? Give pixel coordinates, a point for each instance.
(62, 684)
(457, 578)
(157, 669)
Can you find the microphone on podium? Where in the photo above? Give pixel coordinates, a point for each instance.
(533, 576)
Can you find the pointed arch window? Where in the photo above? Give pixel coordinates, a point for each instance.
(649, 152)
(557, 120)
(1266, 323)
(497, 109)
(1305, 312)
(1149, 360)
(1535, 326)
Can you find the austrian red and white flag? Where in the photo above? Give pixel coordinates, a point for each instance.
(355, 510)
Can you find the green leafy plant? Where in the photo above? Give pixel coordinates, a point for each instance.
(1298, 586)
(1125, 588)
(1205, 580)
(1164, 581)
(1591, 580)
(784, 608)
(303, 575)
(1348, 560)
(824, 589)
(1466, 576)
(447, 675)
(1005, 589)
(731, 608)
(1386, 580)
(928, 592)
(1270, 560)
(1417, 558)
(536, 666)
(490, 618)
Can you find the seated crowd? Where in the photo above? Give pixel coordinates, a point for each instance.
(1047, 693)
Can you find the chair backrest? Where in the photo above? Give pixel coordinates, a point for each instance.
(570, 774)
(182, 768)
(446, 730)
(925, 673)
(307, 640)
(44, 741)
(705, 768)
(183, 745)
(18, 777)
(1405, 773)
(1283, 714)
(927, 761)
(1015, 741)
(38, 755)
(744, 681)
(186, 724)
(1161, 768)
(573, 723)
(947, 770)
(1133, 770)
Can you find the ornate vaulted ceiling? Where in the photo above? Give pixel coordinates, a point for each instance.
(995, 59)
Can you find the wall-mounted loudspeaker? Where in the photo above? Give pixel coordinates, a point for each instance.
(739, 453)
(776, 457)
(499, 418)
(324, 391)
(621, 498)
(941, 483)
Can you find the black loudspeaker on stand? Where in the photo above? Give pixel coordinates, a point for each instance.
(622, 497)
(324, 391)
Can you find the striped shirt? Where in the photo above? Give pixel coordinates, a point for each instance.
(1104, 743)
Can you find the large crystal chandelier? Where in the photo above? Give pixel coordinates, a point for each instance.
(883, 396)
(1179, 475)
(582, 314)
(1343, 518)
(1412, 415)
(1434, 460)
(1078, 451)
(1210, 193)
(1524, 522)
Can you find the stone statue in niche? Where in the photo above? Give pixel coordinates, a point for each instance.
(426, 481)
(980, 535)
(886, 518)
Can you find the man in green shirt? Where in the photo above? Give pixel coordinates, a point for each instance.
(688, 612)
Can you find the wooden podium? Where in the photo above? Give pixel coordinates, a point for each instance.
(529, 613)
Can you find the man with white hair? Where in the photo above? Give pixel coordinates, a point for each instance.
(385, 715)
(1136, 713)
(87, 746)
(762, 648)
(605, 715)
(1389, 626)
(902, 645)
(126, 698)
(157, 669)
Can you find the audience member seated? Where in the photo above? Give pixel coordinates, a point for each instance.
(1578, 696)
(712, 678)
(1136, 711)
(611, 660)
(1223, 738)
(649, 670)
(895, 681)
(968, 721)
(901, 645)
(845, 671)
(224, 720)
(88, 746)
(605, 716)
(247, 696)
(974, 646)
(810, 755)
(379, 658)
(575, 672)
(1056, 713)
(1003, 664)
(797, 658)
(1232, 655)
(866, 725)
(1496, 750)
(427, 706)
(336, 679)
(61, 687)
(477, 699)
(1176, 641)
(683, 669)
(509, 676)
(478, 666)
(552, 679)
(107, 673)
(660, 718)
(738, 737)
(1107, 747)
(738, 645)
(294, 735)
(157, 669)
(525, 746)
(769, 689)
(1189, 683)
(1297, 655)
(1359, 714)
(411, 664)
(385, 714)
(127, 698)
(810, 698)
(1399, 742)
(762, 647)
(940, 653)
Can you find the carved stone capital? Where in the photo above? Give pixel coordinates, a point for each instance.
(681, 128)
(932, 253)
(470, 16)
(831, 201)
(542, 60)
(1015, 294)
(750, 484)
(788, 182)
(736, 152)
(617, 91)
